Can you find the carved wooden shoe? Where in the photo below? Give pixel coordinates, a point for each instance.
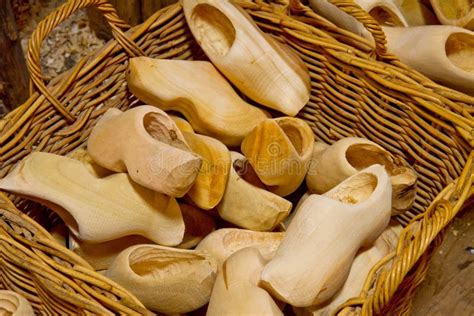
(223, 242)
(450, 48)
(199, 92)
(210, 184)
(248, 206)
(319, 246)
(145, 142)
(96, 209)
(165, 280)
(256, 65)
(346, 157)
(364, 261)
(209, 187)
(455, 12)
(386, 12)
(279, 151)
(12, 303)
(236, 290)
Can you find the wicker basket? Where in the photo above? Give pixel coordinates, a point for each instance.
(357, 90)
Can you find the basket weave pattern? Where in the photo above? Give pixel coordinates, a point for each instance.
(358, 89)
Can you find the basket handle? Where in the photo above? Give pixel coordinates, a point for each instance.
(353, 9)
(51, 21)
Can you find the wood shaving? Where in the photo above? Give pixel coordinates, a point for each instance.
(66, 44)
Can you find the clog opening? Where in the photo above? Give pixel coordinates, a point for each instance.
(295, 134)
(385, 16)
(155, 262)
(213, 30)
(404, 183)
(356, 189)
(460, 50)
(165, 133)
(361, 156)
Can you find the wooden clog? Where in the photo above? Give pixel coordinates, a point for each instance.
(314, 258)
(12, 303)
(455, 12)
(279, 151)
(164, 279)
(210, 184)
(248, 206)
(443, 53)
(364, 261)
(346, 157)
(145, 142)
(96, 209)
(255, 64)
(100, 255)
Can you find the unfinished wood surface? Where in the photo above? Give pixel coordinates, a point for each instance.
(248, 206)
(279, 151)
(450, 48)
(455, 12)
(319, 246)
(235, 45)
(146, 143)
(331, 165)
(211, 181)
(13, 71)
(236, 291)
(12, 303)
(428, 121)
(449, 286)
(224, 242)
(165, 279)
